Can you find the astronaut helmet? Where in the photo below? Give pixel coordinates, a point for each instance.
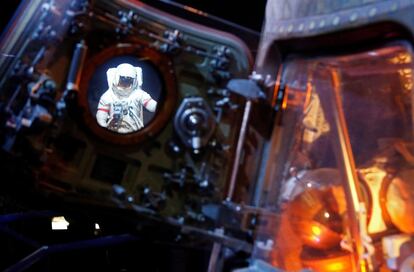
(125, 79)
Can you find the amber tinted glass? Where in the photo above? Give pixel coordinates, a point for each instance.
(344, 138)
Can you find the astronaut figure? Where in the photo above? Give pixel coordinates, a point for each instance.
(120, 108)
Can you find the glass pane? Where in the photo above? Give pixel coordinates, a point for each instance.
(376, 96)
(343, 144)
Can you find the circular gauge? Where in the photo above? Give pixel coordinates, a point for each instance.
(127, 93)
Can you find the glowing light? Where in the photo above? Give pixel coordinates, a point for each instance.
(316, 230)
(327, 215)
(363, 266)
(336, 266)
(406, 76)
(405, 73)
(97, 227)
(401, 58)
(309, 185)
(285, 100)
(59, 223)
(196, 11)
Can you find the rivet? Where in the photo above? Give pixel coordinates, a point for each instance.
(322, 24)
(353, 17)
(336, 20)
(312, 25)
(372, 12)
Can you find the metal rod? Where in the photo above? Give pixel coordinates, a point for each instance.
(92, 243)
(239, 149)
(215, 252)
(331, 103)
(28, 261)
(353, 194)
(76, 66)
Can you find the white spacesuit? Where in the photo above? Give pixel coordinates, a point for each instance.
(120, 108)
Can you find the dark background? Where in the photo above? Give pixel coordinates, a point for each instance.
(249, 14)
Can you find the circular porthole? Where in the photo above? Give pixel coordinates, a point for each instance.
(128, 93)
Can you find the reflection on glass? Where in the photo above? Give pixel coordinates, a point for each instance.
(120, 108)
(365, 98)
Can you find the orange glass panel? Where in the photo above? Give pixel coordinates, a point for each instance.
(344, 142)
